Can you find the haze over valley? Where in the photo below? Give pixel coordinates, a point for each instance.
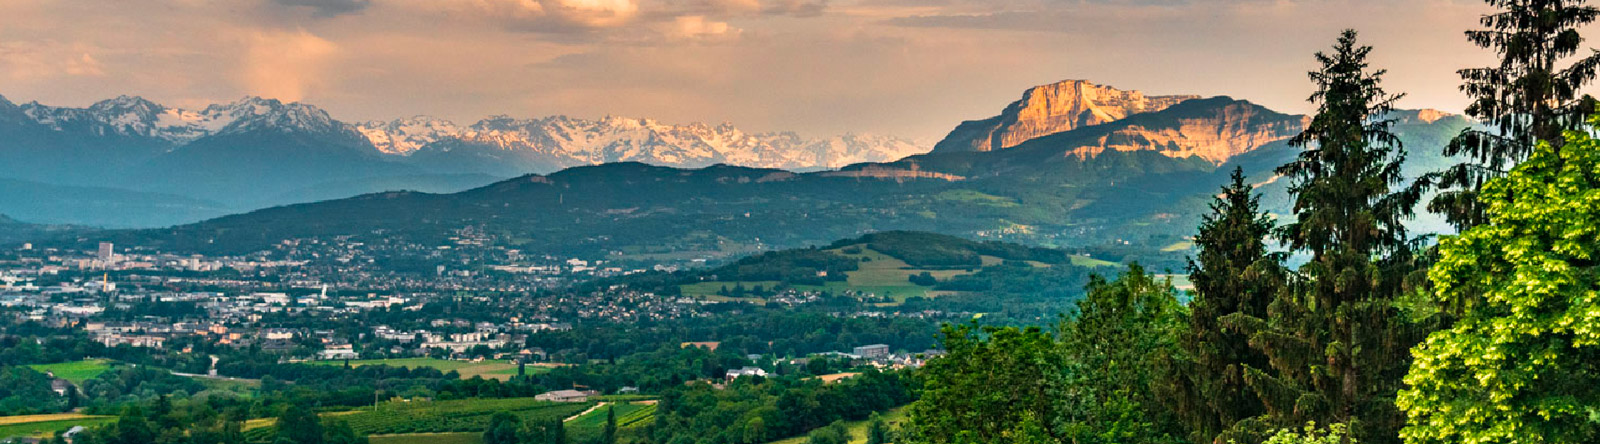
(799, 221)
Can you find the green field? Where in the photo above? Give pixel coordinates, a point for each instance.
(858, 429)
(407, 417)
(467, 369)
(1085, 261)
(47, 425)
(628, 415)
(76, 371)
(428, 438)
(882, 275)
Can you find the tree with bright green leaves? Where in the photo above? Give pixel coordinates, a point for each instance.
(132, 428)
(1312, 434)
(1113, 348)
(1336, 340)
(1522, 362)
(504, 428)
(877, 430)
(990, 382)
(340, 432)
(1531, 95)
(299, 425)
(609, 434)
(835, 433)
(1235, 274)
(755, 431)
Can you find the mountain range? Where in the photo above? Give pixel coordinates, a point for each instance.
(257, 152)
(1118, 172)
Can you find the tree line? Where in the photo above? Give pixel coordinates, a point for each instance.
(1380, 336)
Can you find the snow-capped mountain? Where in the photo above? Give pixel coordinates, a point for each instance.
(555, 142)
(132, 116)
(256, 152)
(538, 145)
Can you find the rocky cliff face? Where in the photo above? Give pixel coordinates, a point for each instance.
(1050, 109)
(1215, 133)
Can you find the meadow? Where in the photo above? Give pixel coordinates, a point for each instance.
(76, 371)
(35, 426)
(489, 369)
(409, 417)
(858, 429)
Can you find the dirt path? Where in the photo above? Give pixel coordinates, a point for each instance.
(585, 412)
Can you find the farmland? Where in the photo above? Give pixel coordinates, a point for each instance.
(858, 429)
(630, 414)
(46, 425)
(488, 369)
(76, 371)
(466, 415)
(428, 438)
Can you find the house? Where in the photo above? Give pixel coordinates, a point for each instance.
(563, 396)
(58, 385)
(874, 351)
(72, 433)
(335, 354)
(747, 371)
(712, 346)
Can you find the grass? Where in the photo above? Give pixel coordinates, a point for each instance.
(858, 429)
(488, 369)
(628, 415)
(464, 415)
(1085, 261)
(76, 371)
(883, 275)
(1178, 246)
(428, 438)
(47, 425)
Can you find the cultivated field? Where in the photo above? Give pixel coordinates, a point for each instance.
(489, 369)
(47, 425)
(465, 415)
(76, 371)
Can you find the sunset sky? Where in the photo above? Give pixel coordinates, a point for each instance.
(911, 68)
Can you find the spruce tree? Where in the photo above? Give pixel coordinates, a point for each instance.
(1524, 99)
(609, 434)
(1336, 343)
(1235, 275)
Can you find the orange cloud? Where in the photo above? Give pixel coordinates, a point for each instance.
(286, 65)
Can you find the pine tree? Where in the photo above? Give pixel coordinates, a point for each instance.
(1236, 275)
(503, 429)
(609, 434)
(299, 425)
(1336, 343)
(1526, 98)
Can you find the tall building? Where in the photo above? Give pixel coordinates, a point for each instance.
(873, 351)
(107, 252)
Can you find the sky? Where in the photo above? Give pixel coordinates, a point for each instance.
(909, 68)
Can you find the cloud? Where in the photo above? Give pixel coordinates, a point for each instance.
(696, 27)
(36, 61)
(559, 16)
(327, 8)
(797, 8)
(286, 65)
(85, 65)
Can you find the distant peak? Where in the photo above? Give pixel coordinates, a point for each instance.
(127, 103)
(1053, 108)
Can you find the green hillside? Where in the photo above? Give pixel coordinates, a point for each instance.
(1118, 205)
